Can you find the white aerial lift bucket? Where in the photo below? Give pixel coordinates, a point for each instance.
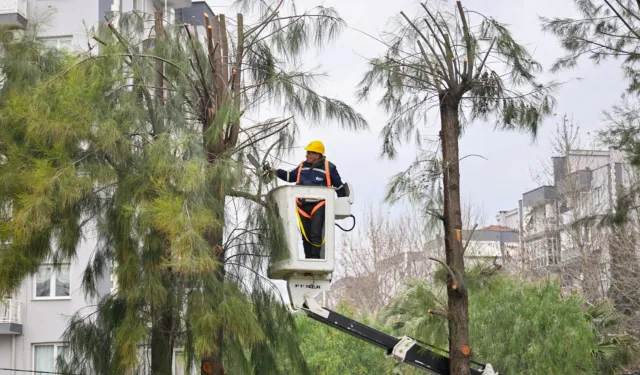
(307, 277)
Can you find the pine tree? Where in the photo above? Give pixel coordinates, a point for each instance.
(440, 60)
(144, 143)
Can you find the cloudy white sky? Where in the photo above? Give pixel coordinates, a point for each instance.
(496, 183)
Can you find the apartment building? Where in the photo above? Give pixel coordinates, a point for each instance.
(558, 221)
(33, 320)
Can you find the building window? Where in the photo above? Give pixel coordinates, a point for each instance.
(52, 282)
(180, 364)
(58, 42)
(598, 194)
(45, 356)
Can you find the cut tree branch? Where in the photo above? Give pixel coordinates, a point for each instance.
(484, 60)
(456, 284)
(469, 239)
(245, 195)
(438, 313)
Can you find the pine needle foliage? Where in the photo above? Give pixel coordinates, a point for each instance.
(520, 327)
(143, 144)
(496, 66)
(604, 30)
(481, 67)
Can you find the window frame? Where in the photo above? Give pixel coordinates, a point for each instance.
(56, 348)
(52, 283)
(58, 39)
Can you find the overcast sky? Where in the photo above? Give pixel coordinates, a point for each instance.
(496, 183)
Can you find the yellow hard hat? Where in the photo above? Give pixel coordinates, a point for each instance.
(315, 146)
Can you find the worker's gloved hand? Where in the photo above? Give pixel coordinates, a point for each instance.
(268, 170)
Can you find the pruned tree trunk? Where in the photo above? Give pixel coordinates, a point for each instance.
(159, 64)
(213, 364)
(162, 342)
(220, 145)
(163, 324)
(457, 297)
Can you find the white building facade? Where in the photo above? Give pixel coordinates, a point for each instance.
(559, 223)
(32, 321)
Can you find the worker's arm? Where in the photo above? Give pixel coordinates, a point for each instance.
(289, 176)
(336, 181)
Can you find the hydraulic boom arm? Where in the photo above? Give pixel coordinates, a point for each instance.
(404, 349)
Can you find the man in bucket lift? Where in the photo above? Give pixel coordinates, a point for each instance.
(316, 170)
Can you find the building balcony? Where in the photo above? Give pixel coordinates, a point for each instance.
(579, 181)
(194, 15)
(173, 4)
(13, 13)
(541, 195)
(10, 317)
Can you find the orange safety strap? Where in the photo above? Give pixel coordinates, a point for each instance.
(328, 178)
(313, 211)
(326, 171)
(301, 212)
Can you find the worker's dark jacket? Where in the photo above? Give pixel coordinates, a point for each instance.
(314, 175)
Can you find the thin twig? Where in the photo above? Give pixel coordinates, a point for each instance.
(444, 69)
(484, 60)
(469, 239)
(622, 19)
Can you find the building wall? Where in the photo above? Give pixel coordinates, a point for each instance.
(5, 351)
(69, 20)
(509, 219)
(44, 320)
(72, 22)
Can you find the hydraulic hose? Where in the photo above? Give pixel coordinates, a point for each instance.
(348, 230)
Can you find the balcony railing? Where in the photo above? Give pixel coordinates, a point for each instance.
(10, 311)
(14, 6)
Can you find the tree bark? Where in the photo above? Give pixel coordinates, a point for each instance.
(162, 344)
(163, 327)
(213, 364)
(162, 338)
(159, 65)
(457, 297)
(218, 148)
